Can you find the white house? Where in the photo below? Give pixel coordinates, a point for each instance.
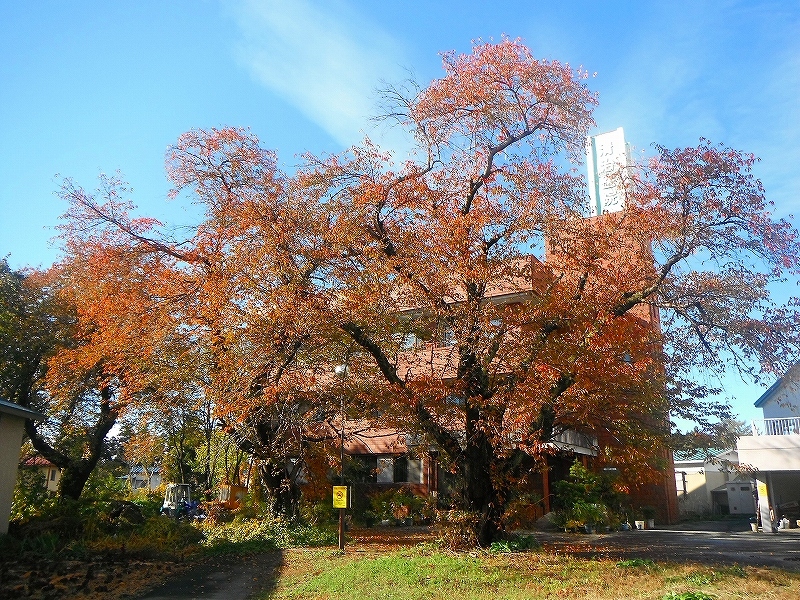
(12, 423)
(50, 472)
(773, 450)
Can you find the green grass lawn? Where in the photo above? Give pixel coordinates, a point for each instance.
(428, 572)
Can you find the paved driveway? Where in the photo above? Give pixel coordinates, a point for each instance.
(709, 547)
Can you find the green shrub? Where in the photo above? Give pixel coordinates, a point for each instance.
(156, 537)
(636, 563)
(103, 486)
(259, 535)
(688, 596)
(71, 528)
(514, 543)
(149, 501)
(319, 513)
(397, 505)
(587, 498)
(31, 496)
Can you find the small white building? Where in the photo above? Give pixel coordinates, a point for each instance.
(773, 450)
(50, 472)
(12, 427)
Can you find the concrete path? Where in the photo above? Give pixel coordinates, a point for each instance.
(707, 547)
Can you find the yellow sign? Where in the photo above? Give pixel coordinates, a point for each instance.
(340, 496)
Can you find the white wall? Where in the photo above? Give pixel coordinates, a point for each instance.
(783, 407)
(770, 452)
(11, 429)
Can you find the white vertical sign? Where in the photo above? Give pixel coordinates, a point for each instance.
(606, 154)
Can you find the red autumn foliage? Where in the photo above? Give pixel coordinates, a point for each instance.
(419, 276)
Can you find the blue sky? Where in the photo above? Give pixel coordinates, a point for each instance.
(91, 87)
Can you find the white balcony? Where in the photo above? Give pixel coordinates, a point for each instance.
(785, 426)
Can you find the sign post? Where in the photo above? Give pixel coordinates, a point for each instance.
(341, 500)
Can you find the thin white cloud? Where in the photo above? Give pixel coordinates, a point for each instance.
(320, 57)
(776, 128)
(653, 89)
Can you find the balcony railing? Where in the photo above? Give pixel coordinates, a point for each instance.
(785, 426)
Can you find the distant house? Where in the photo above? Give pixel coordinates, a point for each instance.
(12, 423)
(140, 478)
(51, 473)
(773, 450)
(713, 486)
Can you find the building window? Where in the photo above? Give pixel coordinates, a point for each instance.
(400, 469)
(407, 470)
(385, 470)
(409, 341)
(447, 336)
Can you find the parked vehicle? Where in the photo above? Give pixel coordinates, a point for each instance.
(178, 503)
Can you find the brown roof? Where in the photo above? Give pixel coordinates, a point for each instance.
(37, 461)
(376, 441)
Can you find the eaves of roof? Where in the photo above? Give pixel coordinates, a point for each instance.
(19, 411)
(792, 375)
(769, 393)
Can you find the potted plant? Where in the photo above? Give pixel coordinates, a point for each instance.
(588, 513)
(649, 514)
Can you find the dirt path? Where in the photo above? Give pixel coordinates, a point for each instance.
(231, 578)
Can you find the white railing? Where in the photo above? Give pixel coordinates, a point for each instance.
(785, 426)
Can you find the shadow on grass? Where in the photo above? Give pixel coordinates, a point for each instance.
(223, 577)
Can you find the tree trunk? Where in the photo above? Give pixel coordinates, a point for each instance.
(75, 472)
(74, 476)
(283, 490)
(481, 496)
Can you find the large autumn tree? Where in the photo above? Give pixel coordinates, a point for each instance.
(474, 302)
(236, 299)
(435, 244)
